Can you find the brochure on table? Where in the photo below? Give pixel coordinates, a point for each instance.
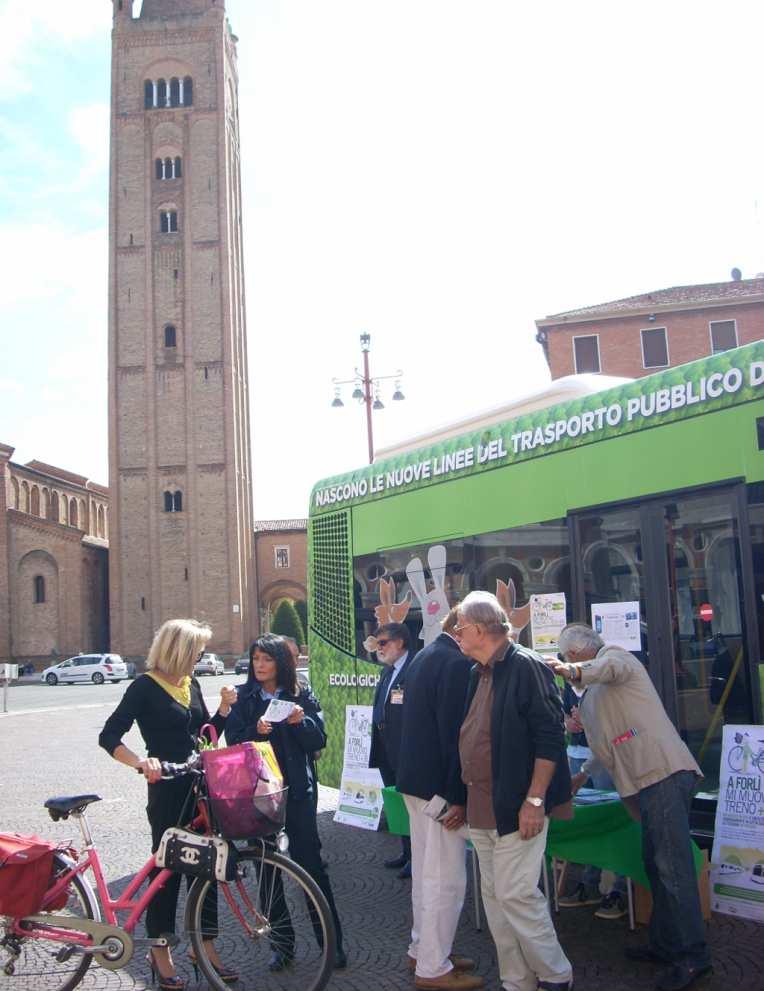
(618, 623)
(547, 621)
(737, 861)
(360, 802)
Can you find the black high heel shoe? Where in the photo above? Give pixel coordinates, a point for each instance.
(173, 983)
(224, 973)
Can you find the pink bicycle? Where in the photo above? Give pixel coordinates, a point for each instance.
(271, 906)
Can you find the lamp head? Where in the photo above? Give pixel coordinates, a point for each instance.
(366, 342)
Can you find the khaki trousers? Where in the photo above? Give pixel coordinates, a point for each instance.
(517, 912)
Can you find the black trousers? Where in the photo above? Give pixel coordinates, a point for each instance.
(171, 803)
(304, 849)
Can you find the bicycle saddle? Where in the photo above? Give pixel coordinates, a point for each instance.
(60, 808)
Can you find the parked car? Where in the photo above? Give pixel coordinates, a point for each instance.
(241, 666)
(97, 668)
(303, 677)
(209, 664)
(131, 669)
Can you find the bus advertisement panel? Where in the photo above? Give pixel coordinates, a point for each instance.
(645, 500)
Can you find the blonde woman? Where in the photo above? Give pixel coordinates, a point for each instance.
(168, 706)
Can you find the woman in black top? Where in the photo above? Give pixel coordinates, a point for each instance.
(168, 706)
(272, 673)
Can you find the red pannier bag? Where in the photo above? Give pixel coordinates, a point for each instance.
(26, 867)
(246, 790)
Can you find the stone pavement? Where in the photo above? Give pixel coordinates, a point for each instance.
(57, 753)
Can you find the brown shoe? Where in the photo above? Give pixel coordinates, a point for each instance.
(453, 980)
(460, 963)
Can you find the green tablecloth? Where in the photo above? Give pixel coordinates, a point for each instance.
(603, 835)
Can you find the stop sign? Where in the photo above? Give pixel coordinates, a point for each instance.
(706, 612)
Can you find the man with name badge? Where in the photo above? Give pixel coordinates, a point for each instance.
(394, 651)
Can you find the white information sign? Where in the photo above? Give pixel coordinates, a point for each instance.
(618, 623)
(547, 621)
(360, 802)
(737, 860)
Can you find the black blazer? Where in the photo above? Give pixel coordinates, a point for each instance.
(433, 708)
(386, 737)
(526, 723)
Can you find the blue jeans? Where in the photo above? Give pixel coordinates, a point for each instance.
(677, 931)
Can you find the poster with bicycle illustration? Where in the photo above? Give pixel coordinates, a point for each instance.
(737, 861)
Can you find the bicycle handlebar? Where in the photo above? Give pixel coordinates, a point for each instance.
(171, 770)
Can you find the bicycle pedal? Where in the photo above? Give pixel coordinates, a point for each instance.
(166, 939)
(65, 953)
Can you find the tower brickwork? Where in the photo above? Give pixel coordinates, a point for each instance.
(179, 444)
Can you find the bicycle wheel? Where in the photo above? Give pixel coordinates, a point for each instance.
(735, 759)
(274, 906)
(36, 966)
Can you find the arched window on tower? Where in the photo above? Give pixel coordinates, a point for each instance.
(170, 336)
(168, 502)
(168, 169)
(177, 502)
(159, 168)
(39, 589)
(178, 174)
(174, 92)
(168, 221)
(188, 92)
(148, 94)
(162, 94)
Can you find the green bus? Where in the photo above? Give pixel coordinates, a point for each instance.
(649, 492)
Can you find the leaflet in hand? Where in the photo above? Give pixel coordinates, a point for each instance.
(278, 710)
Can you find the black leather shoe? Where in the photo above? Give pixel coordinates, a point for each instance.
(396, 863)
(405, 871)
(644, 954)
(279, 961)
(682, 976)
(340, 960)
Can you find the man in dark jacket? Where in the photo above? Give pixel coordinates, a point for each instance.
(514, 763)
(428, 770)
(394, 651)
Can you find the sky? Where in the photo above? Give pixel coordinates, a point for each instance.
(437, 173)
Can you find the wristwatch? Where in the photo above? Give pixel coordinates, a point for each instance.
(535, 802)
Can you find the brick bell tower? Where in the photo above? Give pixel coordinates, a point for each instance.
(181, 541)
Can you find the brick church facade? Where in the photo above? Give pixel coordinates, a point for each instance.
(54, 528)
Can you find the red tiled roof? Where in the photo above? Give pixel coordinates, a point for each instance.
(273, 526)
(679, 297)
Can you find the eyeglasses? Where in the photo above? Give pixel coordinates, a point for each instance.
(383, 643)
(458, 629)
(201, 655)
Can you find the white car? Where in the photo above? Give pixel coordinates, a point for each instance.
(95, 668)
(209, 664)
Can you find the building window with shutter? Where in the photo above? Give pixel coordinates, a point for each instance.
(586, 354)
(281, 554)
(655, 347)
(168, 220)
(723, 335)
(170, 337)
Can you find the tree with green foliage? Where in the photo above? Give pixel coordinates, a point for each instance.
(302, 611)
(286, 621)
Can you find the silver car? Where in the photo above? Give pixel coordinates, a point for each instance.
(209, 664)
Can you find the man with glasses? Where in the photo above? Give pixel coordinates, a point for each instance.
(514, 764)
(393, 646)
(428, 773)
(631, 735)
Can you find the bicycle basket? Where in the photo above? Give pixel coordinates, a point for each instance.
(240, 818)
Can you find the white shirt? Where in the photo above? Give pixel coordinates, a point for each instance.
(396, 671)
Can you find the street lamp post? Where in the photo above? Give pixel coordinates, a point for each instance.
(367, 390)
